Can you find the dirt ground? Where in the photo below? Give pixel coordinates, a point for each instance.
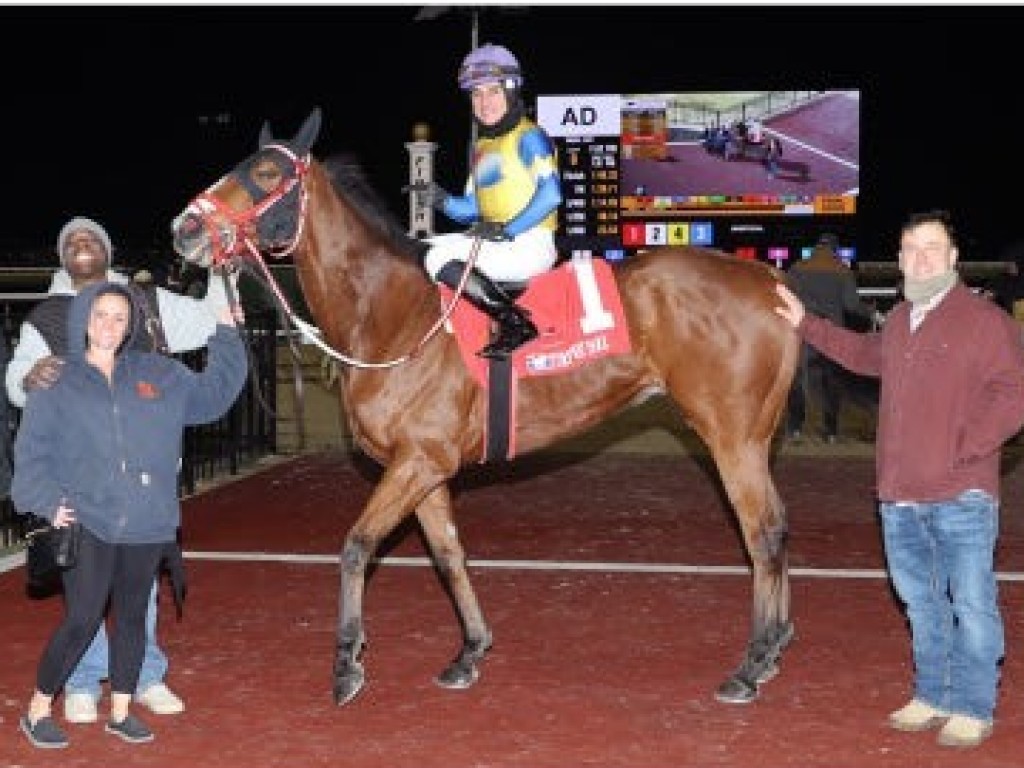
(617, 591)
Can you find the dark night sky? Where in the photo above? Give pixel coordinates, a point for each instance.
(102, 105)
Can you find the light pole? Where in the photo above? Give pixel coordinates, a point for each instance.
(431, 12)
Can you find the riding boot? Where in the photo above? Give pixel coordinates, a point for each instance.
(514, 325)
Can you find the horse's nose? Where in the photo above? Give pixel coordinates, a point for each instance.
(186, 225)
(188, 237)
(185, 229)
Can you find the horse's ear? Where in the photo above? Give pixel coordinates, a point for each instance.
(307, 134)
(265, 135)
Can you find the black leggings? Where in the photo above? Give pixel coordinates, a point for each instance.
(123, 573)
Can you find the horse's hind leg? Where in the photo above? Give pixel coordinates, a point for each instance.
(747, 478)
(435, 516)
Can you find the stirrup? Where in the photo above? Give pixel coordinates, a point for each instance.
(509, 340)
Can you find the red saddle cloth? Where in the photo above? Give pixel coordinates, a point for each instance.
(577, 310)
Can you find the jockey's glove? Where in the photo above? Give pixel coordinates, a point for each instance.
(428, 193)
(489, 230)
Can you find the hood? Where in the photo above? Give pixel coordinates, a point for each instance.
(78, 315)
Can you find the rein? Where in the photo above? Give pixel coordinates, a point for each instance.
(243, 243)
(234, 303)
(313, 335)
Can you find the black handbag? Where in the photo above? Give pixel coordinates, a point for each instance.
(49, 550)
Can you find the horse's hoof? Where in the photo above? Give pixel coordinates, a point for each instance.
(786, 635)
(769, 672)
(458, 676)
(348, 686)
(736, 690)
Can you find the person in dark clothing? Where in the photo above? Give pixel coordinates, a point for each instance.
(1007, 288)
(827, 288)
(951, 370)
(173, 324)
(100, 449)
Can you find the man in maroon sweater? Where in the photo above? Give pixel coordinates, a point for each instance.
(951, 370)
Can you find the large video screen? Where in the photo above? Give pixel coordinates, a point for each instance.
(759, 173)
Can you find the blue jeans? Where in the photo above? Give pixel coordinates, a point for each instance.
(93, 666)
(940, 558)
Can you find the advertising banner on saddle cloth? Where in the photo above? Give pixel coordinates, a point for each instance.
(577, 310)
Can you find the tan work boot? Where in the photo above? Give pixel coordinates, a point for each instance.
(917, 716)
(964, 731)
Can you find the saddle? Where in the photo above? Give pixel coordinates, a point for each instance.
(576, 308)
(578, 313)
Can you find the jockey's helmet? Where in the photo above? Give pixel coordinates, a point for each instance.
(490, 64)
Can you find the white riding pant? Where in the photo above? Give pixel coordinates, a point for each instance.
(530, 254)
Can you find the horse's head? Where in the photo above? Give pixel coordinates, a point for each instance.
(257, 207)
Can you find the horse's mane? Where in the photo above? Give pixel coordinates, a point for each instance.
(350, 182)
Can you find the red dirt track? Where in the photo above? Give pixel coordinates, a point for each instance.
(590, 667)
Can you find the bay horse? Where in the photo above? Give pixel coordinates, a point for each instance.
(703, 332)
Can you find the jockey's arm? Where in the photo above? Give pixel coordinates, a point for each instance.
(538, 155)
(546, 198)
(463, 209)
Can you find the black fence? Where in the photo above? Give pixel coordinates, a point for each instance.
(245, 434)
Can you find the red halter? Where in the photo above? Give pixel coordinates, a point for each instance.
(240, 238)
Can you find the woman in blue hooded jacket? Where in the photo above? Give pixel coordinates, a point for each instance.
(101, 449)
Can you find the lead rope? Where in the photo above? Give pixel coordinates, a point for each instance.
(312, 334)
(300, 420)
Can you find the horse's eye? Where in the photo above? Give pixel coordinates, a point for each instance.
(266, 178)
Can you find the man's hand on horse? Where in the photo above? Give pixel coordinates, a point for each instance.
(44, 373)
(489, 230)
(428, 193)
(793, 309)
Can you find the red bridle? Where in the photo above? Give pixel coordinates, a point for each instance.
(210, 210)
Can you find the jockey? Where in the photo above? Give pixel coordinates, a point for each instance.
(511, 200)
(755, 132)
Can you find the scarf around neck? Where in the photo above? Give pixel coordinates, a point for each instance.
(920, 292)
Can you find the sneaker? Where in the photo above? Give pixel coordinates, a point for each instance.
(917, 716)
(160, 700)
(964, 731)
(80, 707)
(45, 734)
(131, 729)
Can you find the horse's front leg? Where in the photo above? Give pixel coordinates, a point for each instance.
(396, 495)
(349, 676)
(435, 516)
